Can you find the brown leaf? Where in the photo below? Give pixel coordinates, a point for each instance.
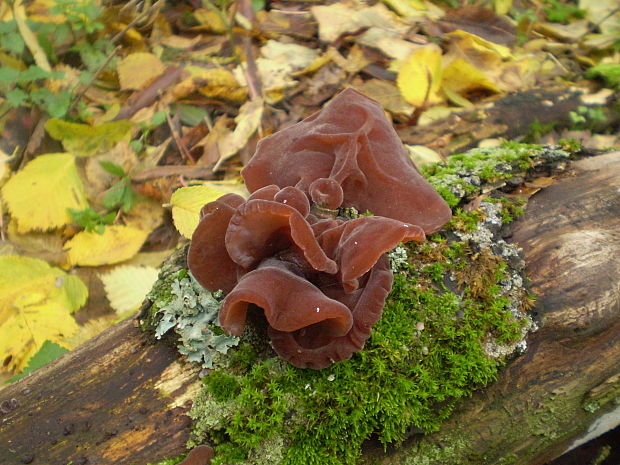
(476, 20)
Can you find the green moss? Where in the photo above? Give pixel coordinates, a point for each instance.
(222, 386)
(170, 461)
(465, 221)
(404, 378)
(512, 207)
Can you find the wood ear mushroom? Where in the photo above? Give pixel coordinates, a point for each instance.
(321, 283)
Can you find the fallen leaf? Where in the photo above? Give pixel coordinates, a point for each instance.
(116, 244)
(477, 20)
(406, 8)
(248, 120)
(435, 113)
(39, 55)
(293, 55)
(218, 83)
(89, 330)
(180, 42)
(186, 203)
(572, 32)
(422, 155)
(46, 246)
(84, 140)
(138, 70)
(36, 302)
(463, 78)
(604, 13)
(127, 286)
(48, 352)
(419, 78)
(39, 195)
(338, 19)
(210, 21)
(387, 94)
(146, 215)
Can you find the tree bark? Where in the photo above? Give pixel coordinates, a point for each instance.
(121, 399)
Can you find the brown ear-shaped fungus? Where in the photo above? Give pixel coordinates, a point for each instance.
(349, 144)
(356, 245)
(311, 348)
(261, 228)
(207, 257)
(200, 455)
(321, 283)
(290, 302)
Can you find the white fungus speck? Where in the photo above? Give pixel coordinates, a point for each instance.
(318, 309)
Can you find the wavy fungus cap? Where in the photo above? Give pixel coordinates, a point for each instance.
(349, 155)
(321, 283)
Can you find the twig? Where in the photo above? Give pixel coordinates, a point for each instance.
(165, 171)
(177, 139)
(80, 94)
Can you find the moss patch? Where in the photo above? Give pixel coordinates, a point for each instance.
(426, 352)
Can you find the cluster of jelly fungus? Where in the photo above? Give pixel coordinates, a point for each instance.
(320, 282)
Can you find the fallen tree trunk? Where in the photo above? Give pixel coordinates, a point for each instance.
(122, 399)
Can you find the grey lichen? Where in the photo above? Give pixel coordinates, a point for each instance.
(193, 314)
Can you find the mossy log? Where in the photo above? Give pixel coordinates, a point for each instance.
(122, 399)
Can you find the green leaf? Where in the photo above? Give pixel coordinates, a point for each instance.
(120, 195)
(48, 352)
(8, 74)
(113, 168)
(191, 114)
(16, 97)
(8, 26)
(91, 220)
(58, 105)
(158, 118)
(33, 73)
(13, 42)
(84, 140)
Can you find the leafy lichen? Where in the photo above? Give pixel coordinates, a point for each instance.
(192, 312)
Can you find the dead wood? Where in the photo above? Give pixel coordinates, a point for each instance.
(121, 399)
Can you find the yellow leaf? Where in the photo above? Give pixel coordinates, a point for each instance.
(39, 195)
(422, 155)
(215, 83)
(186, 204)
(39, 55)
(127, 286)
(138, 70)
(476, 46)
(462, 77)
(248, 120)
(89, 330)
(117, 243)
(36, 302)
(419, 78)
(209, 21)
(84, 140)
(406, 8)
